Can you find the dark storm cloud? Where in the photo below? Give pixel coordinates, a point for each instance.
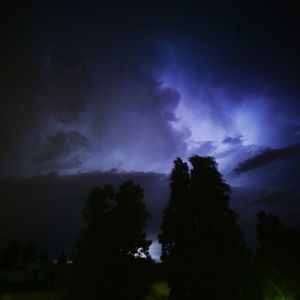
(272, 187)
(82, 79)
(273, 197)
(249, 200)
(108, 60)
(235, 140)
(247, 44)
(47, 208)
(67, 83)
(38, 97)
(20, 85)
(62, 150)
(132, 125)
(61, 143)
(266, 157)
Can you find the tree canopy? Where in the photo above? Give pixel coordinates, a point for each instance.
(202, 246)
(113, 250)
(278, 257)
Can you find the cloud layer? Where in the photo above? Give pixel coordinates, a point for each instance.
(46, 208)
(144, 86)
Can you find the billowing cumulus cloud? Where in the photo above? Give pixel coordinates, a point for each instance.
(132, 126)
(108, 95)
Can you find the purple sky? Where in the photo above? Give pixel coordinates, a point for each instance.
(125, 89)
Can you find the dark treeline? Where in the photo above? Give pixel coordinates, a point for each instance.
(278, 258)
(16, 255)
(204, 254)
(24, 268)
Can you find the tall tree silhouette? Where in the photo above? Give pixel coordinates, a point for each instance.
(113, 246)
(12, 257)
(278, 257)
(131, 215)
(202, 246)
(62, 259)
(176, 230)
(29, 253)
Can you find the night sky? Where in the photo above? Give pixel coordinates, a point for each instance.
(93, 94)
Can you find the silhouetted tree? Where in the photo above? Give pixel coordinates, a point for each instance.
(12, 257)
(62, 260)
(278, 257)
(202, 246)
(112, 250)
(44, 258)
(29, 253)
(176, 229)
(130, 216)
(133, 258)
